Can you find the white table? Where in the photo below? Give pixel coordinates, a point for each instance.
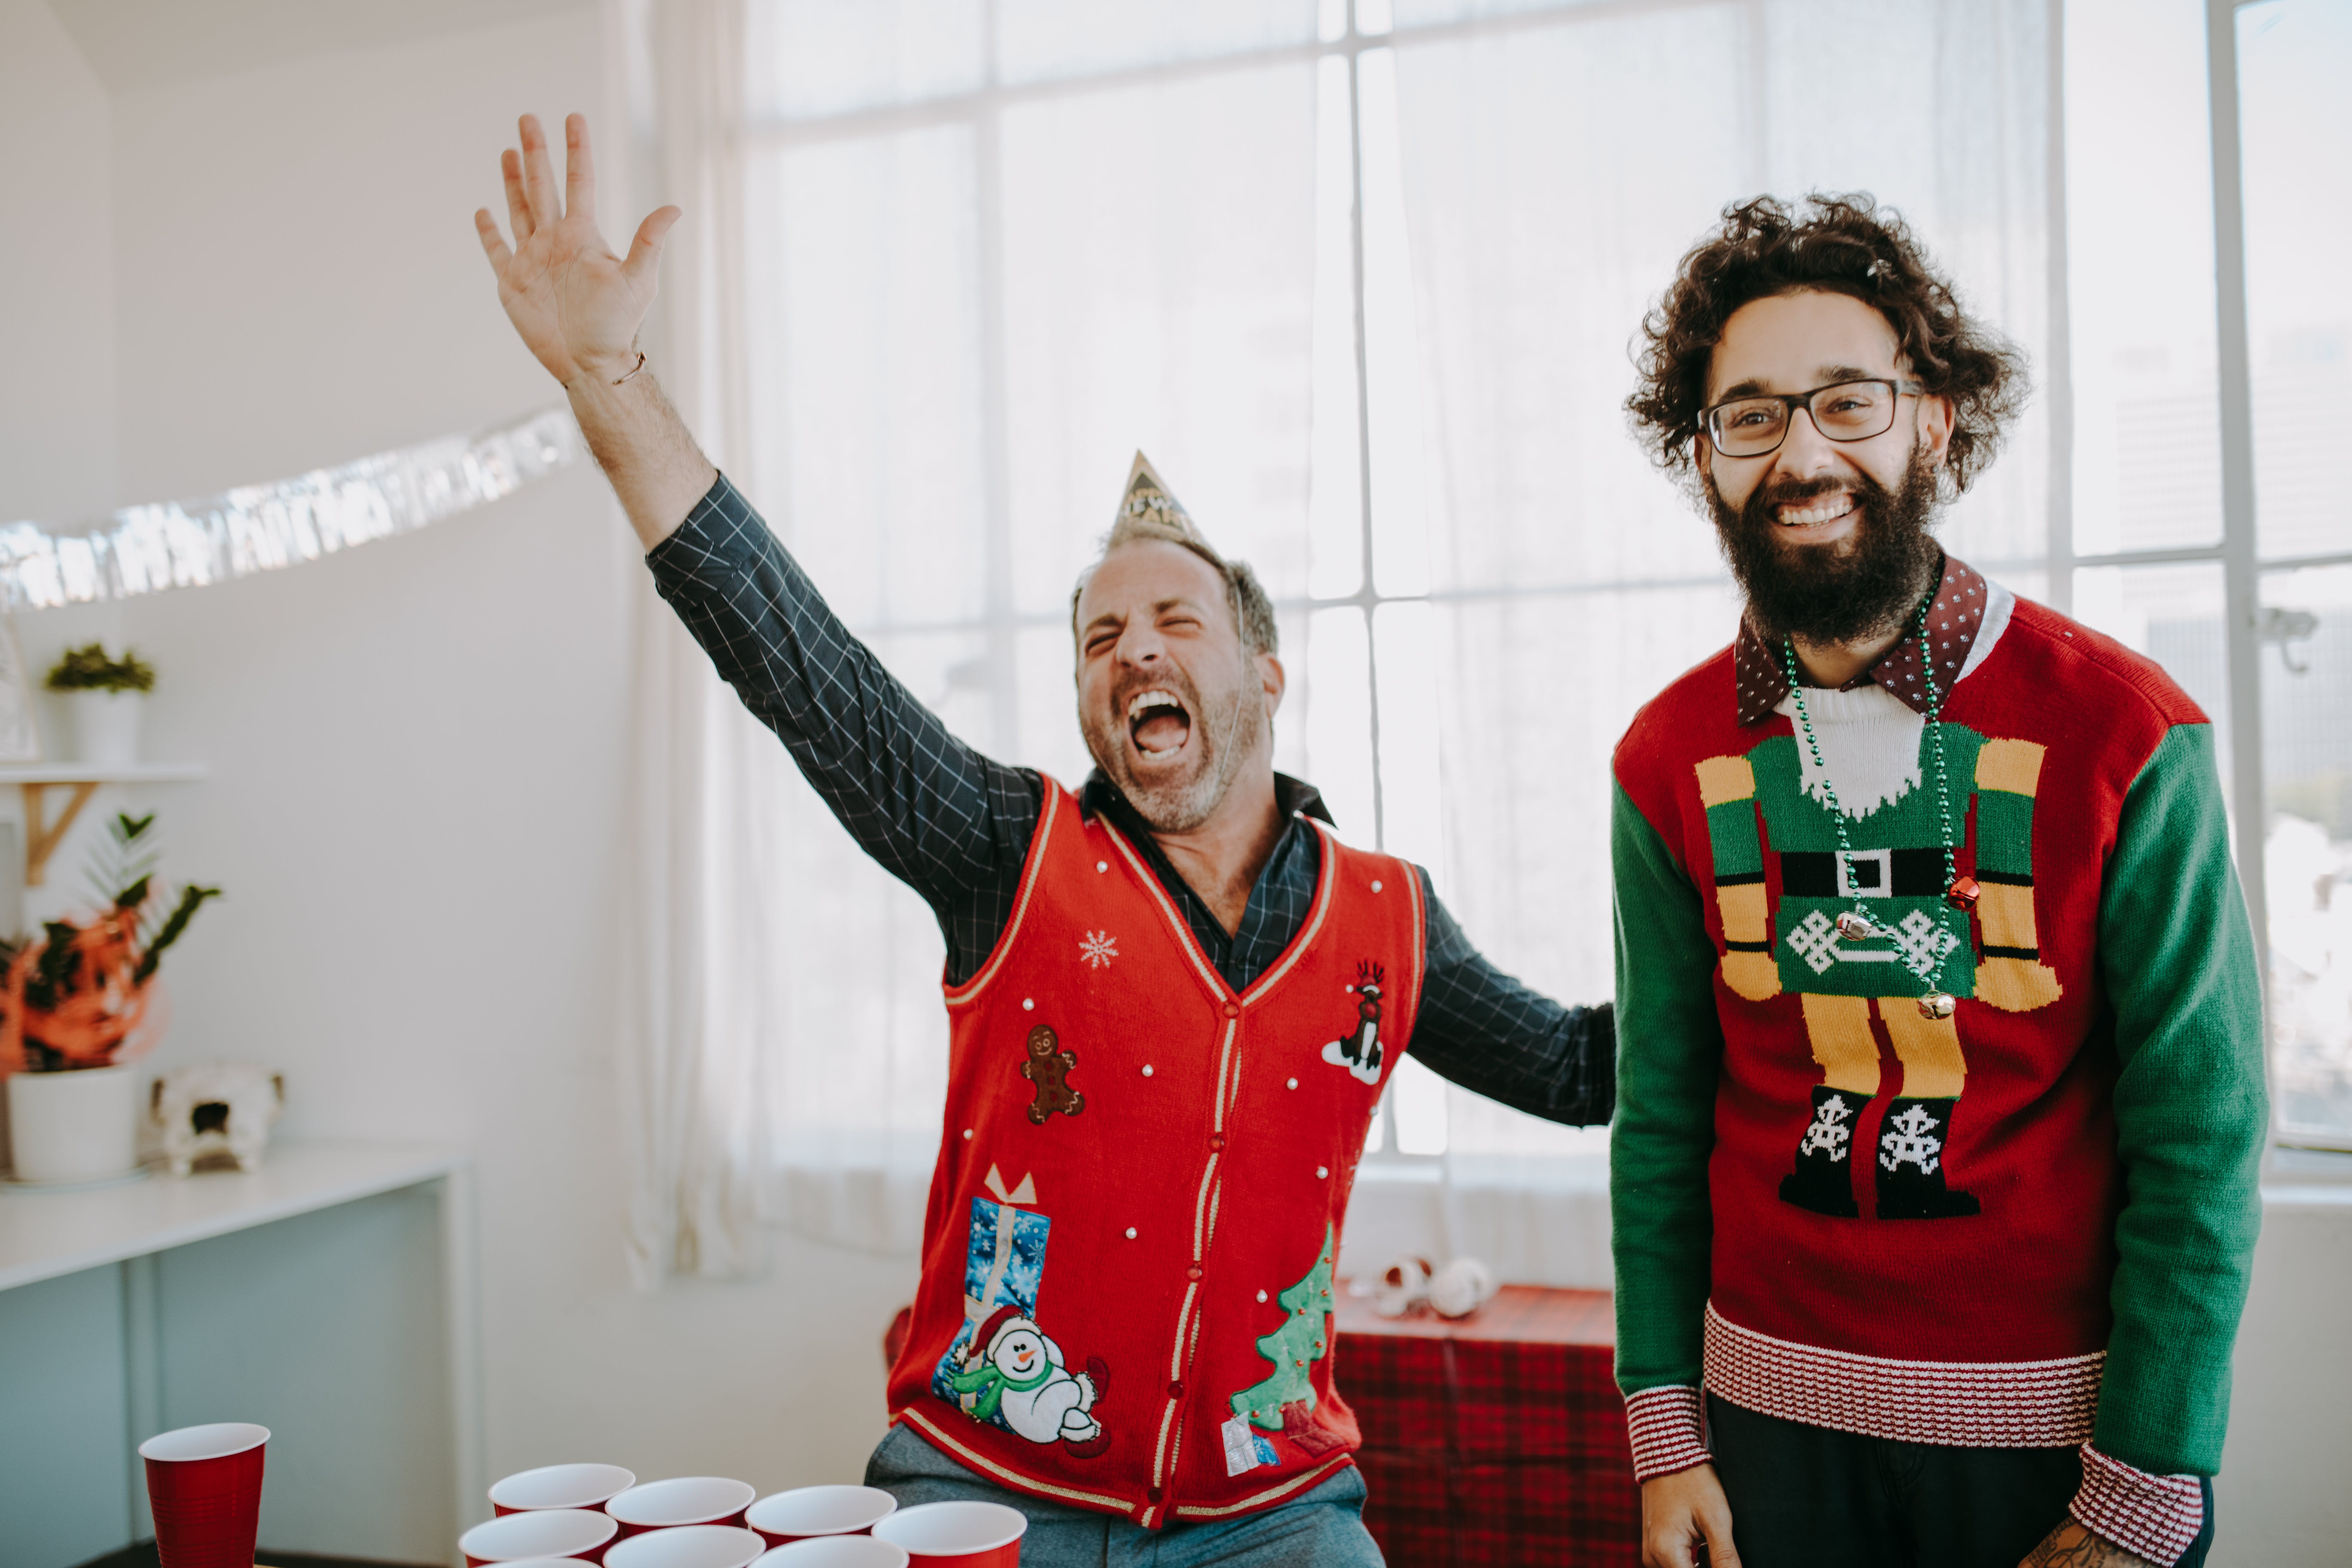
(330, 1296)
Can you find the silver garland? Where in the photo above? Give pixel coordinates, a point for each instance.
(260, 528)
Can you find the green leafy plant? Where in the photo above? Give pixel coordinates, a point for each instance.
(91, 668)
(78, 989)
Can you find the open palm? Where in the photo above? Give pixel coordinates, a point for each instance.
(577, 305)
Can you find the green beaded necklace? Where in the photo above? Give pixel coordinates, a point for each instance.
(1960, 892)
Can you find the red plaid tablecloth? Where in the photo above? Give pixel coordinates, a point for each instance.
(1500, 1438)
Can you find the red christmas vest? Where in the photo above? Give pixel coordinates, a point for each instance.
(1127, 1253)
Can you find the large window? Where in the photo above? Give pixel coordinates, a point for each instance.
(1361, 280)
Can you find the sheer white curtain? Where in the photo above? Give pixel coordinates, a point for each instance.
(983, 249)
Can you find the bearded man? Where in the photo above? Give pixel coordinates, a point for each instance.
(1940, 1040)
(1173, 995)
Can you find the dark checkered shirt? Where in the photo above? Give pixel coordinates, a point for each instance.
(955, 826)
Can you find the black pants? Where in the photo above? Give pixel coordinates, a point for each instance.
(1806, 1497)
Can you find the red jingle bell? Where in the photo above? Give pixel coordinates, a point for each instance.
(1962, 894)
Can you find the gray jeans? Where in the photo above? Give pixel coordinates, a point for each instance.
(1322, 1529)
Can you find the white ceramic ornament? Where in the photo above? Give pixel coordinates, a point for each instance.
(1461, 1287)
(219, 1107)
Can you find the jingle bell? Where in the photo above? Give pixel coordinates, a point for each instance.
(1962, 894)
(1855, 927)
(1938, 1004)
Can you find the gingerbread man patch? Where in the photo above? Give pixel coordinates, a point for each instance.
(1048, 1067)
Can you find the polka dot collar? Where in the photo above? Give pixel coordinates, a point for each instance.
(1953, 621)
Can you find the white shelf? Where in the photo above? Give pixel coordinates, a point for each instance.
(46, 1235)
(94, 772)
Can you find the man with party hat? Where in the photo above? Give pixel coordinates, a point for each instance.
(1148, 1148)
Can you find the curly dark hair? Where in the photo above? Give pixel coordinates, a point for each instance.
(1835, 243)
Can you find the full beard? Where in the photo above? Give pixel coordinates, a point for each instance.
(1222, 728)
(1842, 593)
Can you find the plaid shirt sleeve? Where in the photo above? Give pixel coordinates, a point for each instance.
(949, 822)
(1483, 1029)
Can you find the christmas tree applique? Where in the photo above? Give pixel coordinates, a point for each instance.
(1285, 1401)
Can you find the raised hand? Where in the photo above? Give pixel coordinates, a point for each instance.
(577, 305)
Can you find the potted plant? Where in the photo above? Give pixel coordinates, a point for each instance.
(103, 699)
(78, 1004)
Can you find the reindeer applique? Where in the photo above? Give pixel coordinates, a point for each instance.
(1360, 1052)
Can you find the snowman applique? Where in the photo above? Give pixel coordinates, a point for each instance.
(1012, 1374)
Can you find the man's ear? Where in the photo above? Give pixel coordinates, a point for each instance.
(1272, 678)
(1935, 419)
(1703, 456)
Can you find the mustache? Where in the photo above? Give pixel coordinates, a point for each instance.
(1817, 591)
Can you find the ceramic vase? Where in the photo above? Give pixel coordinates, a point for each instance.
(106, 726)
(79, 1126)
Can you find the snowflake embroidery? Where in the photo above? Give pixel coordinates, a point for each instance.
(1098, 948)
(1830, 1131)
(1909, 1141)
(1815, 940)
(1922, 940)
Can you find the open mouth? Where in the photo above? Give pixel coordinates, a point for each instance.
(1812, 513)
(1158, 722)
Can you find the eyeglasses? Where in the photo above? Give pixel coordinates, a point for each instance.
(1843, 411)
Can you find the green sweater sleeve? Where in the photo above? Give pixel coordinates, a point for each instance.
(2177, 959)
(1669, 1052)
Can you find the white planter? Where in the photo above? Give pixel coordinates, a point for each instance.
(81, 1126)
(106, 726)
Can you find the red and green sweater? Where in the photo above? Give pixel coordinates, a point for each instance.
(2026, 1224)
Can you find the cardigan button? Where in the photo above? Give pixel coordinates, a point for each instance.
(1233, 1009)
(1193, 1273)
(1216, 1140)
(1152, 1492)
(1175, 1390)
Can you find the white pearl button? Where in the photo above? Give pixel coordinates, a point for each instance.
(1028, 1004)
(1147, 1070)
(1293, 1083)
(967, 1132)
(1261, 1295)
(1322, 1172)
(1130, 1233)
(1376, 887)
(1102, 864)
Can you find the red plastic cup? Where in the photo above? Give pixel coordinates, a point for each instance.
(957, 1534)
(204, 1486)
(685, 1499)
(689, 1546)
(560, 1486)
(835, 1552)
(807, 1512)
(541, 1532)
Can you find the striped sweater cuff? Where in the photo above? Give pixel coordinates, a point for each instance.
(2155, 1517)
(1663, 1424)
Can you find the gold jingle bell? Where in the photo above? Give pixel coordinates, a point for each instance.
(1937, 1005)
(1855, 927)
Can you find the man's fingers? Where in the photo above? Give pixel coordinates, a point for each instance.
(493, 245)
(1713, 1520)
(579, 170)
(538, 173)
(518, 205)
(645, 252)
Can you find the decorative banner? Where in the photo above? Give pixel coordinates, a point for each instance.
(260, 528)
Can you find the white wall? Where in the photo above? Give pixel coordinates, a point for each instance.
(56, 256)
(416, 749)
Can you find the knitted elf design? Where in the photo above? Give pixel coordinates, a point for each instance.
(1775, 802)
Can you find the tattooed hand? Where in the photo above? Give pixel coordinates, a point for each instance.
(2072, 1546)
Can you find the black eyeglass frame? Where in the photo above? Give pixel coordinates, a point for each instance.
(1794, 400)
